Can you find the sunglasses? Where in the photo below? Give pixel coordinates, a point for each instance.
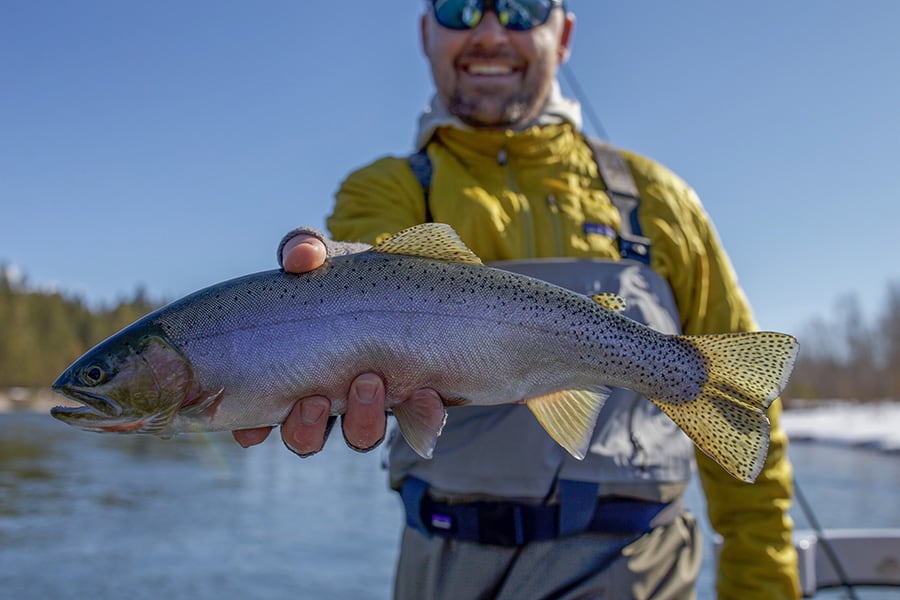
(515, 15)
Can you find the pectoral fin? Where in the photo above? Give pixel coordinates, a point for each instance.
(421, 421)
(202, 409)
(569, 417)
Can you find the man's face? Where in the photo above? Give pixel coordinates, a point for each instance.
(492, 77)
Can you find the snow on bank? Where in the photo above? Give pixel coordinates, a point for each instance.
(875, 425)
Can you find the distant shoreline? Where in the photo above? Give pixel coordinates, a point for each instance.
(39, 400)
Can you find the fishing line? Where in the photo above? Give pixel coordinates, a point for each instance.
(572, 82)
(826, 545)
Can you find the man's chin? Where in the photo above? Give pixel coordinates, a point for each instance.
(489, 117)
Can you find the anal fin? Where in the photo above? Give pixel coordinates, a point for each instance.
(569, 416)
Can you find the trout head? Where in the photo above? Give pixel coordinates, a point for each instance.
(134, 382)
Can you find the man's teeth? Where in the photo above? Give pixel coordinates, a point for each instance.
(489, 70)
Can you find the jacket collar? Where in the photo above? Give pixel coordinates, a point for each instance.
(558, 109)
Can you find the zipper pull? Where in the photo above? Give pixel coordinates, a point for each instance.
(501, 157)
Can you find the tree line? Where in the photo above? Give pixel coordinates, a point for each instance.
(849, 356)
(845, 356)
(42, 332)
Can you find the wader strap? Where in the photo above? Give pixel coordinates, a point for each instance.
(413, 494)
(623, 194)
(577, 503)
(421, 168)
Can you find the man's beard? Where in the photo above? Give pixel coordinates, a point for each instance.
(512, 112)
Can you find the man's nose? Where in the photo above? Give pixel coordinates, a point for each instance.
(489, 31)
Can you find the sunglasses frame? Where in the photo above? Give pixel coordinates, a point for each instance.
(487, 5)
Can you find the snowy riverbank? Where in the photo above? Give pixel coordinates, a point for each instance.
(874, 425)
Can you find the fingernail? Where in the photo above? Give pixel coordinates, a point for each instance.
(366, 390)
(312, 411)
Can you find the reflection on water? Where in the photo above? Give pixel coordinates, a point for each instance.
(86, 514)
(849, 487)
(102, 516)
(846, 487)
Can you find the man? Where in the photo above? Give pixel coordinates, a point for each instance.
(515, 178)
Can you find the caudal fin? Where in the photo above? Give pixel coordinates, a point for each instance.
(727, 420)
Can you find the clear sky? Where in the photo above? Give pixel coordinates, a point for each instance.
(170, 144)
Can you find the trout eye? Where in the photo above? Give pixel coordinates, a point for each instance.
(93, 375)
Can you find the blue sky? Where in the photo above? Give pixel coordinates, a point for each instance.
(170, 144)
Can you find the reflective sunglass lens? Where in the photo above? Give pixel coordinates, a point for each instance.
(457, 14)
(515, 15)
(519, 15)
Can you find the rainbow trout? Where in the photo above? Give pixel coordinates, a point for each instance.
(422, 310)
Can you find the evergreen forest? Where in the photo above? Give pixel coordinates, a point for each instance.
(42, 332)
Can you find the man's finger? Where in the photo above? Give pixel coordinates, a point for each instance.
(365, 421)
(303, 253)
(251, 437)
(305, 427)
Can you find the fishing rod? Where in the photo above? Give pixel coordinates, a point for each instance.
(588, 110)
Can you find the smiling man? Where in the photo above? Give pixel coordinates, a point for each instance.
(485, 77)
(501, 511)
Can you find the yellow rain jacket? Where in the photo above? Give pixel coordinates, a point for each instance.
(536, 194)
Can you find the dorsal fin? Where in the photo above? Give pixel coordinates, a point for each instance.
(429, 240)
(610, 301)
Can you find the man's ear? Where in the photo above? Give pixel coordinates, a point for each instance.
(423, 33)
(565, 38)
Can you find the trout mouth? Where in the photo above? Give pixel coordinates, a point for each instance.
(102, 414)
(93, 406)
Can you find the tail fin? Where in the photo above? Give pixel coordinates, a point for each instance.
(727, 420)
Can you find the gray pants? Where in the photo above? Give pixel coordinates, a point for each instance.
(661, 564)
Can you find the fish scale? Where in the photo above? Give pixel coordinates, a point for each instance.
(421, 310)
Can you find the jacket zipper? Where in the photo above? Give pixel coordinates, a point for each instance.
(530, 249)
(555, 225)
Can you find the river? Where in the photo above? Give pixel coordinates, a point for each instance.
(103, 516)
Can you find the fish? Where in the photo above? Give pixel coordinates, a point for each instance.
(421, 309)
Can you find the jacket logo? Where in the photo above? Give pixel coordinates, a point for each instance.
(599, 229)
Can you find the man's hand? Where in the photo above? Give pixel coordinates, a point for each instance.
(307, 425)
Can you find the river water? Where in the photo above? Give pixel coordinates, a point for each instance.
(104, 516)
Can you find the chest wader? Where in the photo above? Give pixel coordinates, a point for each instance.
(480, 488)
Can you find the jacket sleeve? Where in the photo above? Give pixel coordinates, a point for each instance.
(758, 559)
(376, 201)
